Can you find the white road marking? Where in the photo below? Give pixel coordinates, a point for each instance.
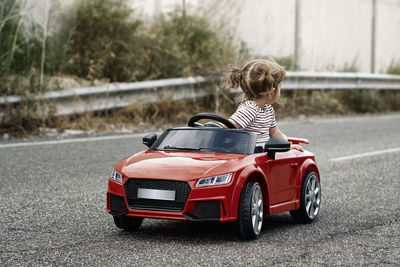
(368, 154)
(73, 140)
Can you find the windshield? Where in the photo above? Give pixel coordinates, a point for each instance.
(204, 140)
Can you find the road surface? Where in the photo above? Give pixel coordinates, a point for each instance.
(53, 198)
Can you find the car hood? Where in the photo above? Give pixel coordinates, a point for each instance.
(180, 165)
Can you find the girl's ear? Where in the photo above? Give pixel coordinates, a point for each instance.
(271, 93)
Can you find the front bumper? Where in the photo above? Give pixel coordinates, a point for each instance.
(212, 203)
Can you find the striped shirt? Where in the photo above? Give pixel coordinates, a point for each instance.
(251, 117)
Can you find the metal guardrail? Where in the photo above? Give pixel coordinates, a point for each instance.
(111, 96)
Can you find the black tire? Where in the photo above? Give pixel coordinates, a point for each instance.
(310, 195)
(128, 223)
(245, 226)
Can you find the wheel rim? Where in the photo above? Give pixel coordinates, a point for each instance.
(257, 210)
(312, 196)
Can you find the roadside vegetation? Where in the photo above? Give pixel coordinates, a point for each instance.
(103, 41)
(394, 68)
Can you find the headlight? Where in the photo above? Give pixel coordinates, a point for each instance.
(215, 180)
(116, 176)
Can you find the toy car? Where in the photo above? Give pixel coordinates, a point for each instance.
(206, 173)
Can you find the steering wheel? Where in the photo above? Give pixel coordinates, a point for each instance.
(211, 116)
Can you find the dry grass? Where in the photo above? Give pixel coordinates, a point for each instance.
(322, 103)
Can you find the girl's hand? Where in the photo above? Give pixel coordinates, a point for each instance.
(297, 147)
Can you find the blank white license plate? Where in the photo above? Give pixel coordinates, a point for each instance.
(156, 194)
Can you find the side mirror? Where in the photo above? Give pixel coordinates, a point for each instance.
(149, 139)
(274, 145)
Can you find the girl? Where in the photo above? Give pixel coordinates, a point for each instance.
(261, 82)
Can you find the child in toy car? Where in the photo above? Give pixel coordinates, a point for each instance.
(204, 173)
(261, 82)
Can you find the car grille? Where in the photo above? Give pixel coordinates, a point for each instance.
(182, 190)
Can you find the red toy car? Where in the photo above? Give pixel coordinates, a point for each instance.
(207, 173)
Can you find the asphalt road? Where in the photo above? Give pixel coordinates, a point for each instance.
(53, 206)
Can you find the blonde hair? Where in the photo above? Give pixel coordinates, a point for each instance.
(255, 78)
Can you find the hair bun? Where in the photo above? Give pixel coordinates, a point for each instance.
(262, 75)
(256, 78)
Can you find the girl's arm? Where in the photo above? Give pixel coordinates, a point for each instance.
(276, 133)
(234, 123)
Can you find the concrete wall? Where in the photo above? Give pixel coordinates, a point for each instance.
(335, 34)
(388, 34)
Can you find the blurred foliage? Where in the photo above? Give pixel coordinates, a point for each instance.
(394, 68)
(364, 101)
(181, 44)
(350, 67)
(21, 48)
(104, 41)
(19, 55)
(108, 42)
(58, 41)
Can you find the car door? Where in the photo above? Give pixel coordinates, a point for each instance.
(282, 176)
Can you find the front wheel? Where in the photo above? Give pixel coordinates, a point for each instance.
(128, 223)
(251, 211)
(310, 199)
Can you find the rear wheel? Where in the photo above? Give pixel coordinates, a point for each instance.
(128, 223)
(250, 216)
(310, 199)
